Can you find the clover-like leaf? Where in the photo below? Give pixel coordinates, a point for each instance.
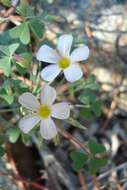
(86, 113)
(78, 160)
(2, 151)
(95, 164)
(13, 48)
(87, 97)
(5, 65)
(5, 50)
(13, 134)
(25, 33)
(22, 32)
(2, 139)
(96, 107)
(37, 27)
(96, 147)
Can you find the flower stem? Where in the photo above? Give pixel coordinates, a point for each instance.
(74, 141)
(81, 106)
(8, 109)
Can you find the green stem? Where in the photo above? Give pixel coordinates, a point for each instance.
(8, 109)
(81, 106)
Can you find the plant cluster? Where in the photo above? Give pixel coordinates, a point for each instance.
(31, 69)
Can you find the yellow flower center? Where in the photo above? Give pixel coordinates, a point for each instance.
(64, 62)
(44, 111)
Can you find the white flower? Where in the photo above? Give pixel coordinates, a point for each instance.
(43, 112)
(62, 59)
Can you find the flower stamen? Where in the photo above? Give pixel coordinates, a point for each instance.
(44, 111)
(64, 63)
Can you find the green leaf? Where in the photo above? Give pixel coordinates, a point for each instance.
(37, 27)
(96, 164)
(92, 86)
(13, 134)
(78, 160)
(30, 11)
(6, 86)
(87, 97)
(78, 85)
(75, 123)
(96, 147)
(2, 139)
(5, 50)
(8, 98)
(25, 34)
(9, 50)
(6, 92)
(22, 32)
(22, 8)
(96, 107)
(5, 65)
(13, 48)
(24, 60)
(25, 138)
(47, 17)
(25, 9)
(20, 69)
(92, 78)
(89, 84)
(16, 31)
(5, 38)
(6, 2)
(2, 151)
(86, 113)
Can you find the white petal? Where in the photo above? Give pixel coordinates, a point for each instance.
(73, 73)
(28, 122)
(29, 101)
(64, 44)
(50, 72)
(47, 54)
(80, 54)
(48, 95)
(61, 110)
(48, 129)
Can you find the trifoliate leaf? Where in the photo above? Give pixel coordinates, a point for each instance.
(16, 31)
(2, 139)
(95, 164)
(79, 159)
(30, 11)
(87, 97)
(8, 98)
(86, 113)
(5, 50)
(2, 151)
(37, 27)
(22, 32)
(13, 134)
(9, 50)
(96, 107)
(25, 34)
(25, 138)
(13, 48)
(6, 2)
(96, 147)
(5, 65)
